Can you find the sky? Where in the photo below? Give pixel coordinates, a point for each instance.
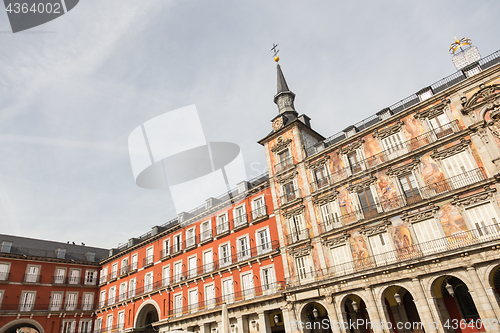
(72, 90)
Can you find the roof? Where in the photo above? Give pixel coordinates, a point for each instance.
(48, 249)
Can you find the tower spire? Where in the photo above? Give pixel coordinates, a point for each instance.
(284, 98)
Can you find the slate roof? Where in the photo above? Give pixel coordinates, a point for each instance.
(48, 249)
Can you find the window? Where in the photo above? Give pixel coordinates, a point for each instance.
(27, 301)
(240, 217)
(166, 275)
(112, 295)
(380, 247)
(59, 275)
(61, 253)
(90, 277)
(104, 275)
(131, 287)
(178, 271)
(4, 271)
(121, 320)
(227, 291)
(71, 299)
(285, 160)
(225, 255)
(440, 125)
(102, 299)
(243, 248)
(247, 285)
(148, 282)
(6, 246)
(367, 203)
(297, 229)
(263, 241)
(74, 276)
(289, 192)
(284, 155)
(193, 300)
(329, 215)
(177, 243)
(149, 256)
(191, 237)
(68, 326)
(32, 274)
(259, 208)
(98, 325)
(427, 231)
(320, 177)
(342, 259)
(85, 326)
(166, 247)
(410, 188)
(460, 167)
(222, 224)
(109, 323)
(122, 294)
(192, 266)
(206, 231)
(55, 301)
(88, 301)
(394, 145)
(210, 296)
(114, 270)
(267, 278)
(208, 261)
(124, 266)
(178, 304)
(133, 266)
(303, 267)
(484, 219)
(90, 256)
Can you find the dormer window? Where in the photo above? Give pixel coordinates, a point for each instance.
(6, 246)
(90, 256)
(61, 253)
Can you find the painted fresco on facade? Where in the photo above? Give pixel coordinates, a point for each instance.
(315, 259)
(372, 151)
(402, 238)
(387, 192)
(452, 221)
(360, 253)
(431, 174)
(494, 128)
(293, 152)
(413, 131)
(336, 167)
(456, 115)
(346, 206)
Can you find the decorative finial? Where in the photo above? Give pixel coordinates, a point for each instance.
(458, 43)
(275, 50)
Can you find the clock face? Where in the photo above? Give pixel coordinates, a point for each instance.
(277, 123)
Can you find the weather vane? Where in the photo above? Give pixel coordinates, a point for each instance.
(275, 50)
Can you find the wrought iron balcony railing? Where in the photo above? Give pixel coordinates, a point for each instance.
(4, 276)
(222, 228)
(52, 307)
(457, 241)
(190, 242)
(290, 196)
(148, 261)
(32, 278)
(206, 236)
(72, 280)
(259, 213)
(240, 221)
(298, 236)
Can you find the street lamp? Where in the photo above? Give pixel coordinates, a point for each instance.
(355, 306)
(276, 319)
(315, 313)
(397, 297)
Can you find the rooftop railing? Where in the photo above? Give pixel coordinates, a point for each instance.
(457, 241)
(404, 104)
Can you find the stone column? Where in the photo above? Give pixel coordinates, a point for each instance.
(239, 325)
(424, 311)
(264, 324)
(481, 300)
(371, 306)
(204, 328)
(334, 320)
(289, 320)
(494, 300)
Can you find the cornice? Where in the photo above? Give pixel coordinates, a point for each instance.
(294, 211)
(453, 150)
(358, 187)
(384, 133)
(426, 214)
(475, 198)
(317, 163)
(302, 251)
(433, 111)
(286, 178)
(351, 147)
(282, 144)
(336, 240)
(485, 95)
(321, 200)
(404, 169)
(375, 230)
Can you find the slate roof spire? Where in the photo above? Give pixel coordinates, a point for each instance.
(284, 98)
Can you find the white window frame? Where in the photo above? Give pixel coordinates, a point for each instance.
(59, 278)
(122, 291)
(114, 270)
(242, 219)
(178, 276)
(4, 274)
(132, 287)
(104, 275)
(150, 252)
(258, 211)
(134, 259)
(270, 286)
(166, 247)
(102, 298)
(90, 277)
(84, 322)
(148, 287)
(121, 320)
(124, 266)
(206, 234)
(53, 306)
(192, 271)
(33, 277)
(225, 260)
(112, 295)
(74, 278)
(209, 303)
(227, 295)
(27, 306)
(246, 290)
(68, 305)
(263, 248)
(178, 304)
(177, 242)
(208, 266)
(243, 254)
(166, 278)
(191, 240)
(193, 307)
(342, 262)
(222, 226)
(87, 306)
(68, 326)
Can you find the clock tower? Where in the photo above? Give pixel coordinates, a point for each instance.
(284, 100)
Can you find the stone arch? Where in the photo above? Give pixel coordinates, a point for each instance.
(431, 282)
(19, 323)
(313, 315)
(383, 290)
(142, 312)
(488, 272)
(351, 314)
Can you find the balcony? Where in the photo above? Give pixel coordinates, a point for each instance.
(32, 278)
(222, 229)
(284, 165)
(148, 261)
(216, 302)
(319, 184)
(35, 307)
(465, 179)
(4, 276)
(176, 249)
(165, 254)
(290, 197)
(133, 267)
(206, 236)
(259, 214)
(298, 236)
(475, 238)
(190, 242)
(103, 279)
(240, 222)
(72, 280)
(124, 270)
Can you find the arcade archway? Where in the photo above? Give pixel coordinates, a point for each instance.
(314, 318)
(402, 310)
(355, 315)
(27, 326)
(147, 315)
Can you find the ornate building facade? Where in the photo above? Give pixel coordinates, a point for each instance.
(389, 226)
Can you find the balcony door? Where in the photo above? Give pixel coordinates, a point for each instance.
(394, 145)
(484, 220)
(429, 237)
(381, 249)
(342, 260)
(248, 287)
(297, 228)
(461, 170)
(410, 188)
(367, 203)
